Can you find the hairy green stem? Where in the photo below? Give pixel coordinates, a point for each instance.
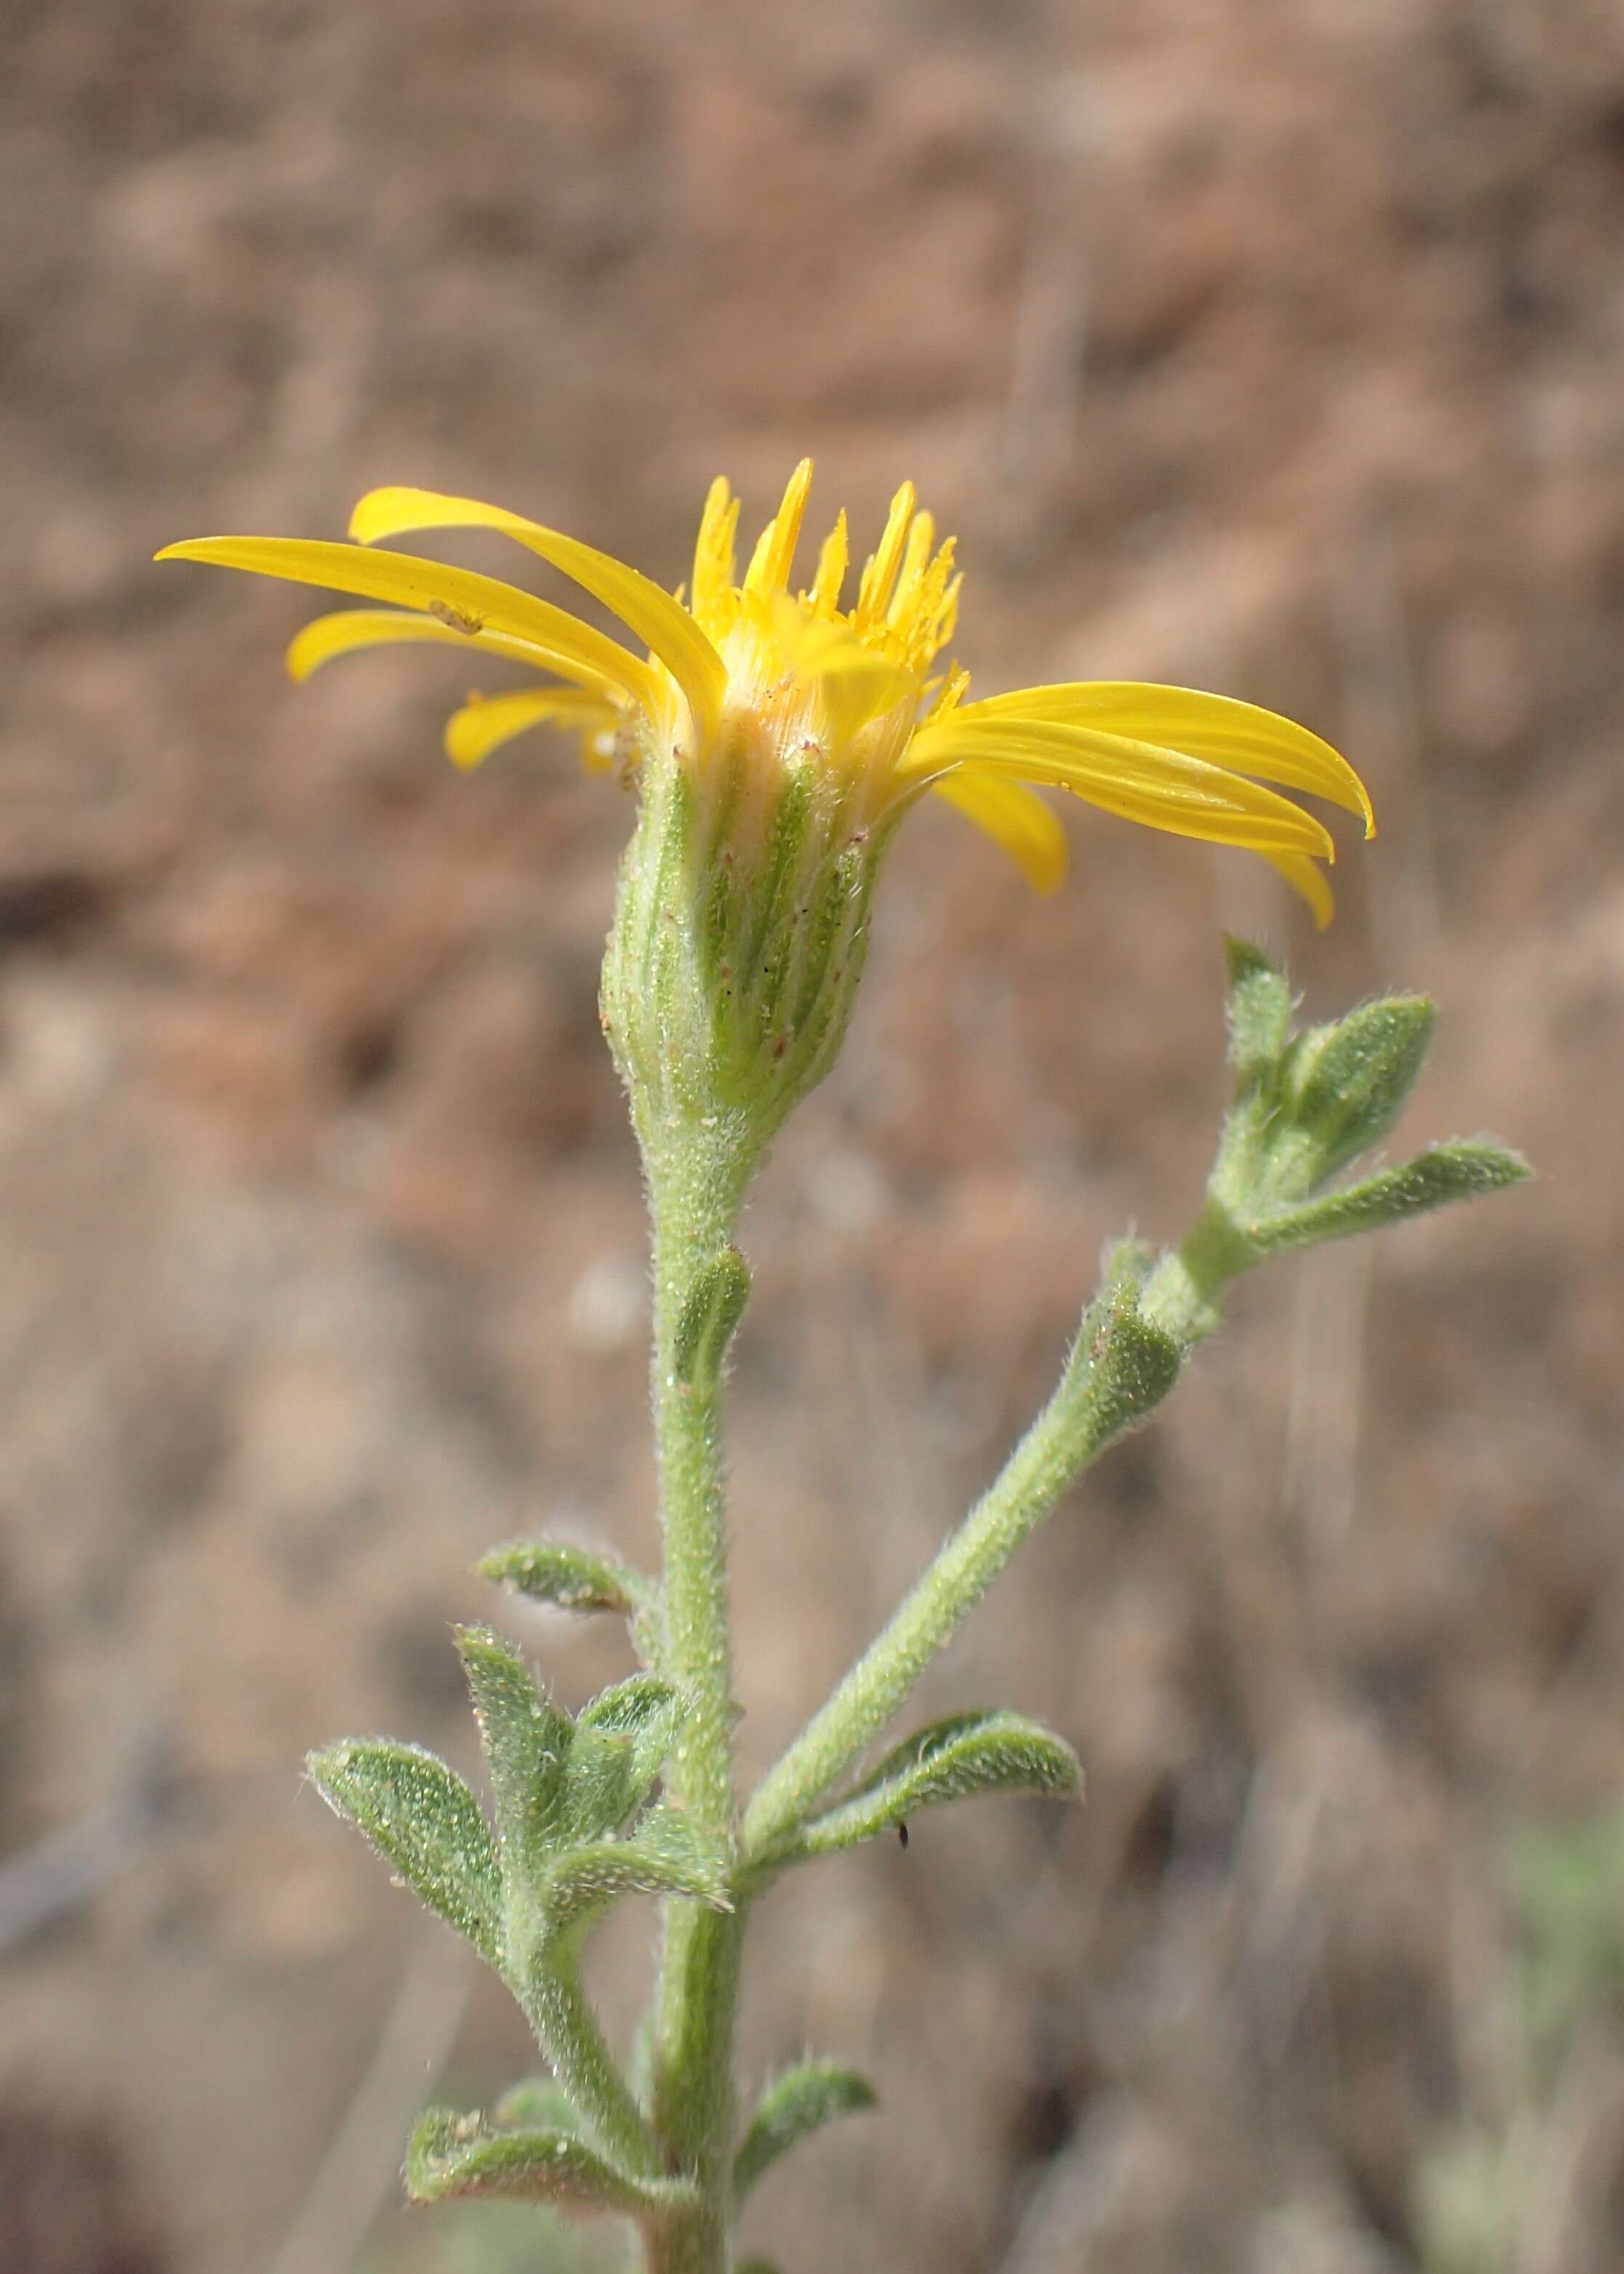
(695, 1195)
(569, 2036)
(1180, 1298)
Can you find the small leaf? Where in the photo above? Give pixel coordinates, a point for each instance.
(425, 1820)
(1121, 1364)
(572, 1579)
(1138, 1366)
(711, 1317)
(796, 2104)
(629, 1707)
(452, 2155)
(527, 1743)
(620, 1744)
(1347, 1084)
(599, 1795)
(666, 1858)
(646, 1709)
(952, 1759)
(1259, 1009)
(756, 2266)
(1443, 1174)
(538, 2104)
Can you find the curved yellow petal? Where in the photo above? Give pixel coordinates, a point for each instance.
(713, 555)
(464, 602)
(880, 569)
(769, 563)
(824, 596)
(855, 684)
(1305, 877)
(482, 726)
(1015, 816)
(348, 630)
(1239, 736)
(662, 623)
(1164, 789)
(915, 561)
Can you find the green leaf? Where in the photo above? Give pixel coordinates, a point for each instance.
(631, 1707)
(1443, 1174)
(665, 1857)
(796, 2104)
(1259, 1009)
(571, 1578)
(600, 1795)
(452, 2155)
(538, 2104)
(952, 1759)
(527, 1744)
(756, 2266)
(1121, 1365)
(621, 1741)
(425, 1820)
(1347, 1084)
(711, 1317)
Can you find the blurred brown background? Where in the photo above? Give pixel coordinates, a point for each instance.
(1274, 349)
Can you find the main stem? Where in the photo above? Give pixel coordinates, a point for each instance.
(694, 1201)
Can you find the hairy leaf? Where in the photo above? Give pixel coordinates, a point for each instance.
(665, 1857)
(1443, 1174)
(1259, 1009)
(952, 1759)
(1347, 1084)
(527, 1744)
(452, 2155)
(641, 1713)
(572, 1579)
(796, 2104)
(538, 2104)
(710, 1318)
(423, 1820)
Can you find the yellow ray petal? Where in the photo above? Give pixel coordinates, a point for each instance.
(1305, 877)
(832, 564)
(713, 555)
(1240, 735)
(348, 630)
(1015, 816)
(1164, 789)
(465, 602)
(478, 728)
(769, 564)
(854, 683)
(915, 560)
(669, 630)
(880, 569)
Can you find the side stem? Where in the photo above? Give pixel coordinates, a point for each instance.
(569, 2036)
(1180, 1298)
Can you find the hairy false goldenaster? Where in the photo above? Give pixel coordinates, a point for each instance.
(747, 680)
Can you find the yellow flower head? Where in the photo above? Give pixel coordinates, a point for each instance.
(755, 685)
